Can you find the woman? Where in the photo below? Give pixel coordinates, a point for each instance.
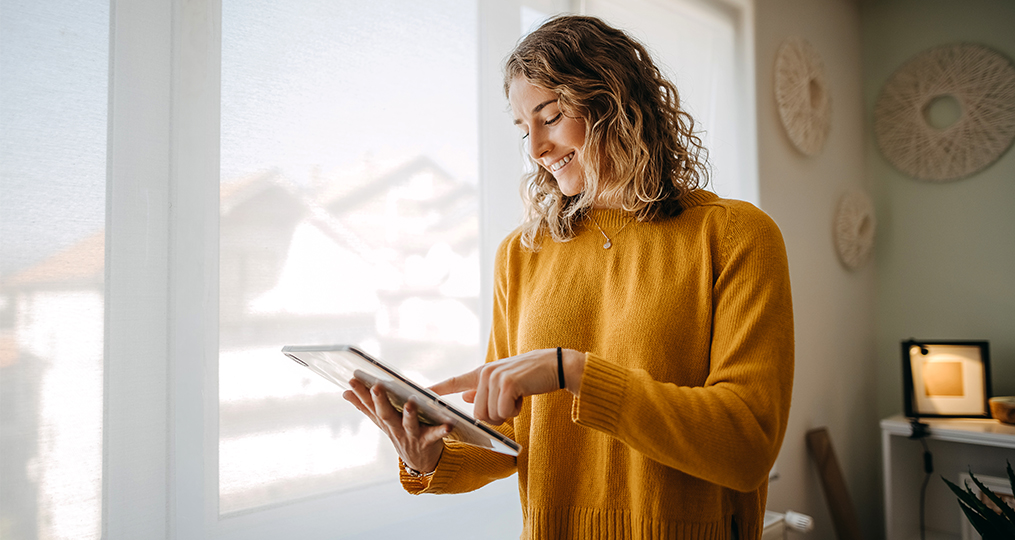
(642, 342)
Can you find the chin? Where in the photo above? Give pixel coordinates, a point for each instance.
(570, 188)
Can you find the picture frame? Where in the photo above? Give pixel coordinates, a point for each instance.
(946, 379)
(1000, 486)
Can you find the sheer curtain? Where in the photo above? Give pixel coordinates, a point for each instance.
(53, 78)
(350, 214)
(706, 49)
(188, 185)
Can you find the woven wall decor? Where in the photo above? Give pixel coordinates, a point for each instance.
(980, 80)
(854, 228)
(801, 91)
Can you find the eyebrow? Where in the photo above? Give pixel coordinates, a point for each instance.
(538, 108)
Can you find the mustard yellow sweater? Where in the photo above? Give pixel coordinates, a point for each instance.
(688, 329)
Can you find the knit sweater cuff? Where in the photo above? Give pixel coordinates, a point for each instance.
(412, 484)
(602, 392)
(450, 463)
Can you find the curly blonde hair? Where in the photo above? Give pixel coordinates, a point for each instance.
(640, 149)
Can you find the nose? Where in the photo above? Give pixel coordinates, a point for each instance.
(539, 143)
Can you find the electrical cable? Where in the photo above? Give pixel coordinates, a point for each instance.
(920, 431)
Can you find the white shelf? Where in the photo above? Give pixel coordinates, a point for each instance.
(958, 445)
(983, 432)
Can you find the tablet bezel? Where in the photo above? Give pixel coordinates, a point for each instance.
(339, 363)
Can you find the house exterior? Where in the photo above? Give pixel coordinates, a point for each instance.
(386, 260)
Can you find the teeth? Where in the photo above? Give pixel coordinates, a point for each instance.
(556, 166)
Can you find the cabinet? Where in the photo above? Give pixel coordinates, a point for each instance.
(957, 445)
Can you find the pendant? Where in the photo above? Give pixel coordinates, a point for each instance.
(607, 245)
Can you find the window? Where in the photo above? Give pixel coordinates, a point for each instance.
(350, 204)
(703, 47)
(53, 61)
(187, 186)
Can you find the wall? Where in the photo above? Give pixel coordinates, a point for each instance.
(945, 251)
(945, 255)
(835, 384)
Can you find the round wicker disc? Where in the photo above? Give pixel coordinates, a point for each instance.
(854, 228)
(980, 80)
(801, 91)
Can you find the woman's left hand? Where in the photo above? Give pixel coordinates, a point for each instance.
(497, 388)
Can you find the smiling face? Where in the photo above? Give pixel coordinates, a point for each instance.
(554, 141)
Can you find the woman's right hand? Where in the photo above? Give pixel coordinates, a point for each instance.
(420, 446)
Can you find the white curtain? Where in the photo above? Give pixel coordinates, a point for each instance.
(53, 78)
(350, 214)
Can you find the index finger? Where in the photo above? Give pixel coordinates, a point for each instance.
(458, 383)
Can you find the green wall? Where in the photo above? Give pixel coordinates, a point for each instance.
(945, 252)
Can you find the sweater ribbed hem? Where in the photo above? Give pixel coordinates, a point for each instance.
(413, 484)
(611, 220)
(595, 524)
(450, 463)
(601, 393)
(458, 456)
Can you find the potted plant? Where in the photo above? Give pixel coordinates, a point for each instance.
(990, 523)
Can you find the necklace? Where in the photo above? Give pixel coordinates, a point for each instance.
(609, 243)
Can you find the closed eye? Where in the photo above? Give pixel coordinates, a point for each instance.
(549, 122)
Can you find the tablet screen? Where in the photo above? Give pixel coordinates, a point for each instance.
(341, 363)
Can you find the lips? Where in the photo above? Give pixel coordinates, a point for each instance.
(563, 161)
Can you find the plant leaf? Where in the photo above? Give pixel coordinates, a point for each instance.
(1007, 516)
(982, 526)
(986, 522)
(966, 496)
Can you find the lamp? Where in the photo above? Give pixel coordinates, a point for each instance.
(946, 378)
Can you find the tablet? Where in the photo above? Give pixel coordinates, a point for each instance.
(341, 363)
